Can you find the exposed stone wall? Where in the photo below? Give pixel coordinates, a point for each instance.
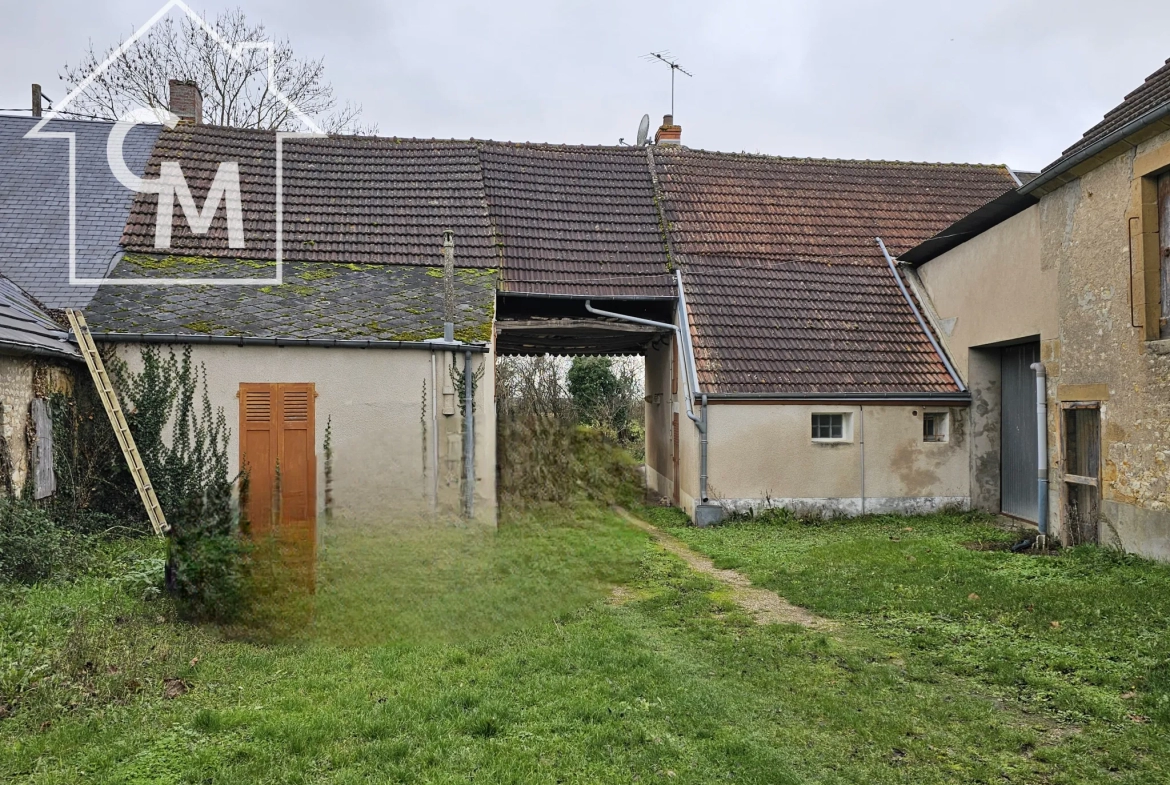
(21, 380)
(16, 394)
(1102, 353)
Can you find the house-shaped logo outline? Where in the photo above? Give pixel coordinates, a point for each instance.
(314, 132)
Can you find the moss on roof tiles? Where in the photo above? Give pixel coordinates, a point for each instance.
(316, 300)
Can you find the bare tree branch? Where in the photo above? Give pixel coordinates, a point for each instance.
(236, 91)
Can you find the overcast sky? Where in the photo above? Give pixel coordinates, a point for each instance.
(995, 81)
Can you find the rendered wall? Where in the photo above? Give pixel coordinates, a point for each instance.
(763, 455)
(383, 467)
(998, 287)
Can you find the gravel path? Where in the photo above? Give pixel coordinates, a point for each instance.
(766, 607)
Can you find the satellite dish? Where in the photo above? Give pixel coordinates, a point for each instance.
(643, 130)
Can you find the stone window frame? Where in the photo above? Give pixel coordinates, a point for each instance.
(1147, 242)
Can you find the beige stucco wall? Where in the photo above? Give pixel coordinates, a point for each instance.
(996, 287)
(375, 399)
(1085, 229)
(764, 455)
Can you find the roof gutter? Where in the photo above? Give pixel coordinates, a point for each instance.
(1064, 165)
(921, 322)
(242, 340)
(35, 350)
(847, 397)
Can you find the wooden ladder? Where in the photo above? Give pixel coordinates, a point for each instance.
(101, 380)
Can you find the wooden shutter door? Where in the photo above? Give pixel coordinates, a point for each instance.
(298, 460)
(258, 451)
(277, 433)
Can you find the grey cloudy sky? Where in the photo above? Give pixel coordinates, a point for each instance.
(1011, 81)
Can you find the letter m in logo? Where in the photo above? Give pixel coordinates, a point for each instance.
(225, 187)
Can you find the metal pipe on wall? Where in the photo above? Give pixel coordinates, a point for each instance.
(861, 443)
(682, 338)
(434, 437)
(468, 437)
(921, 322)
(703, 453)
(1041, 454)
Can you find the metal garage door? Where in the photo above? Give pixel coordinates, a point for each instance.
(1017, 468)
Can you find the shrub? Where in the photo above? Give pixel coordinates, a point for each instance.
(32, 546)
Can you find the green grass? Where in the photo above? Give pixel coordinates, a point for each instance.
(460, 656)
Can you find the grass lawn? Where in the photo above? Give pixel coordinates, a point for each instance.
(507, 658)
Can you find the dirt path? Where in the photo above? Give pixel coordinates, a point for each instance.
(766, 607)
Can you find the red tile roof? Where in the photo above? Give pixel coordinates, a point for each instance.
(350, 199)
(785, 284)
(576, 220)
(786, 287)
(568, 220)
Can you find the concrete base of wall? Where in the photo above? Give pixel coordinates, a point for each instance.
(847, 507)
(1135, 529)
(658, 483)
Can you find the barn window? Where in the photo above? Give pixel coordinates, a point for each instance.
(934, 426)
(831, 427)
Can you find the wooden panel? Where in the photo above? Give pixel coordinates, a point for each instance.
(674, 460)
(1164, 249)
(277, 437)
(258, 450)
(297, 459)
(277, 447)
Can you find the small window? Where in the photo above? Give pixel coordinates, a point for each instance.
(934, 426)
(831, 427)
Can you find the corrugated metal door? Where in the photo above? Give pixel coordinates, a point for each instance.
(1017, 467)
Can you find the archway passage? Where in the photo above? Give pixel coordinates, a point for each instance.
(536, 325)
(542, 454)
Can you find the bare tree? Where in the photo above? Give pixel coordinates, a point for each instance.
(236, 90)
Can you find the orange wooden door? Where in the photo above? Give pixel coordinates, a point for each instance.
(277, 449)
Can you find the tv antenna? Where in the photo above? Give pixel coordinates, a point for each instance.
(666, 57)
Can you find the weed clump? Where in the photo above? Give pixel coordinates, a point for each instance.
(33, 547)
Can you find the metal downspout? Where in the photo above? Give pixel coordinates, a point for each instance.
(917, 315)
(468, 437)
(861, 442)
(703, 453)
(434, 489)
(684, 344)
(1041, 454)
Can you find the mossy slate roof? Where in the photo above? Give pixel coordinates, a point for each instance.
(316, 300)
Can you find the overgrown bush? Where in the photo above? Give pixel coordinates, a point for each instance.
(206, 556)
(545, 454)
(32, 546)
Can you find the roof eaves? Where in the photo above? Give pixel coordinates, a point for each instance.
(1070, 167)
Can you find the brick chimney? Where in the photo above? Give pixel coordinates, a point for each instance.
(187, 101)
(669, 133)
